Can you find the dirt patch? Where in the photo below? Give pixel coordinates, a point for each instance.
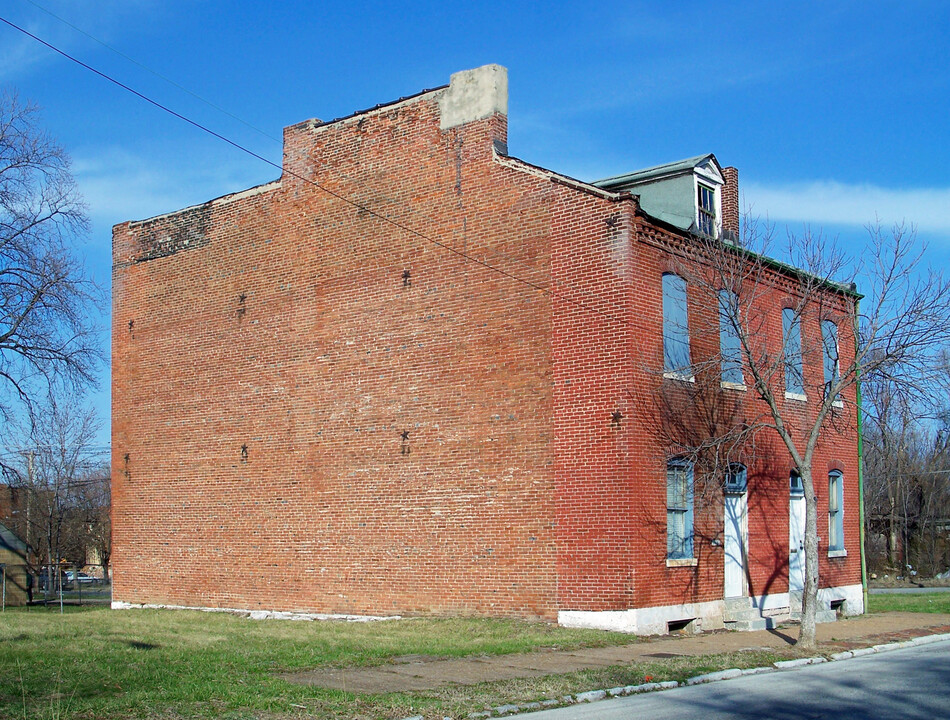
(422, 674)
(894, 580)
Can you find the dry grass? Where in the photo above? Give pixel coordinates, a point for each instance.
(100, 663)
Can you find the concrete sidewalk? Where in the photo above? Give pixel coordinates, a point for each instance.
(420, 673)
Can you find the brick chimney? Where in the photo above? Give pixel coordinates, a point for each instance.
(730, 202)
(473, 95)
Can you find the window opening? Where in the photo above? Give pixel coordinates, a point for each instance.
(736, 479)
(795, 485)
(676, 358)
(679, 510)
(829, 344)
(835, 511)
(707, 210)
(730, 349)
(792, 331)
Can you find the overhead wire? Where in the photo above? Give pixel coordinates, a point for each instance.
(377, 194)
(362, 208)
(153, 72)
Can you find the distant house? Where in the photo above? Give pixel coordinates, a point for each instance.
(14, 575)
(409, 377)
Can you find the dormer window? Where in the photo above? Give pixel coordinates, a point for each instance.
(706, 205)
(686, 194)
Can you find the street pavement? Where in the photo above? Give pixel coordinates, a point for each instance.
(908, 590)
(905, 683)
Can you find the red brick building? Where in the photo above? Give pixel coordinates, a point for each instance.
(409, 377)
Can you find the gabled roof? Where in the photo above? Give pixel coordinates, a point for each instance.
(658, 172)
(9, 541)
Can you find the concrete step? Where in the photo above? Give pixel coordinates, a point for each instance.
(760, 623)
(737, 603)
(779, 614)
(739, 608)
(821, 616)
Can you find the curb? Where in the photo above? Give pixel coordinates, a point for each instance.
(781, 665)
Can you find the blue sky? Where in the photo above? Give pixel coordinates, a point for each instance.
(834, 112)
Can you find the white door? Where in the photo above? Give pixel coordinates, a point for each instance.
(796, 544)
(736, 543)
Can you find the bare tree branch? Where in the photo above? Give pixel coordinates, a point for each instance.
(47, 336)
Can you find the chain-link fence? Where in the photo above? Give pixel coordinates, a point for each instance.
(71, 585)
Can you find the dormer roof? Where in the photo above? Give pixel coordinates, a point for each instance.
(685, 193)
(706, 164)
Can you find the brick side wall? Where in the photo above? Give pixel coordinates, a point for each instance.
(324, 412)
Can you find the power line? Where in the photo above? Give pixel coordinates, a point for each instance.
(376, 192)
(414, 211)
(154, 72)
(342, 198)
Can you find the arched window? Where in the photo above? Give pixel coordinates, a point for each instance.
(730, 349)
(795, 486)
(829, 346)
(835, 511)
(679, 510)
(676, 360)
(736, 478)
(792, 342)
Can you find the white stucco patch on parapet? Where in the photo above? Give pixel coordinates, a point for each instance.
(473, 95)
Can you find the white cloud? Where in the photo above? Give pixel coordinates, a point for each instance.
(118, 185)
(20, 54)
(828, 202)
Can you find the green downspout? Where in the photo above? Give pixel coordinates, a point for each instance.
(857, 384)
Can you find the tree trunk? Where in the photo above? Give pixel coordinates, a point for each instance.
(892, 526)
(807, 632)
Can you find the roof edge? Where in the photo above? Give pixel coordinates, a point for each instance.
(658, 172)
(317, 123)
(560, 178)
(220, 200)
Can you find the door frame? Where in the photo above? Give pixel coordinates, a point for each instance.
(735, 534)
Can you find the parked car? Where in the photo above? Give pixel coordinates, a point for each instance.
(81, 578)
(45, 576)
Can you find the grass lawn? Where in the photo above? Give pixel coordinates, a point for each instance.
(910, 602)
(99, 663)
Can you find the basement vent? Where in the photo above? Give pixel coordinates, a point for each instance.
(683, 627)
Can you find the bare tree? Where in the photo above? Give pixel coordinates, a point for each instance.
(47, 336)
(907, 479)
(91, 520)
(832, 338)
(56, 476)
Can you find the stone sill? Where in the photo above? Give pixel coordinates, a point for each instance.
(682, 562)
(668, 375)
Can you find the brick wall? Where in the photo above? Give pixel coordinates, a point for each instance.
(322, 411)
